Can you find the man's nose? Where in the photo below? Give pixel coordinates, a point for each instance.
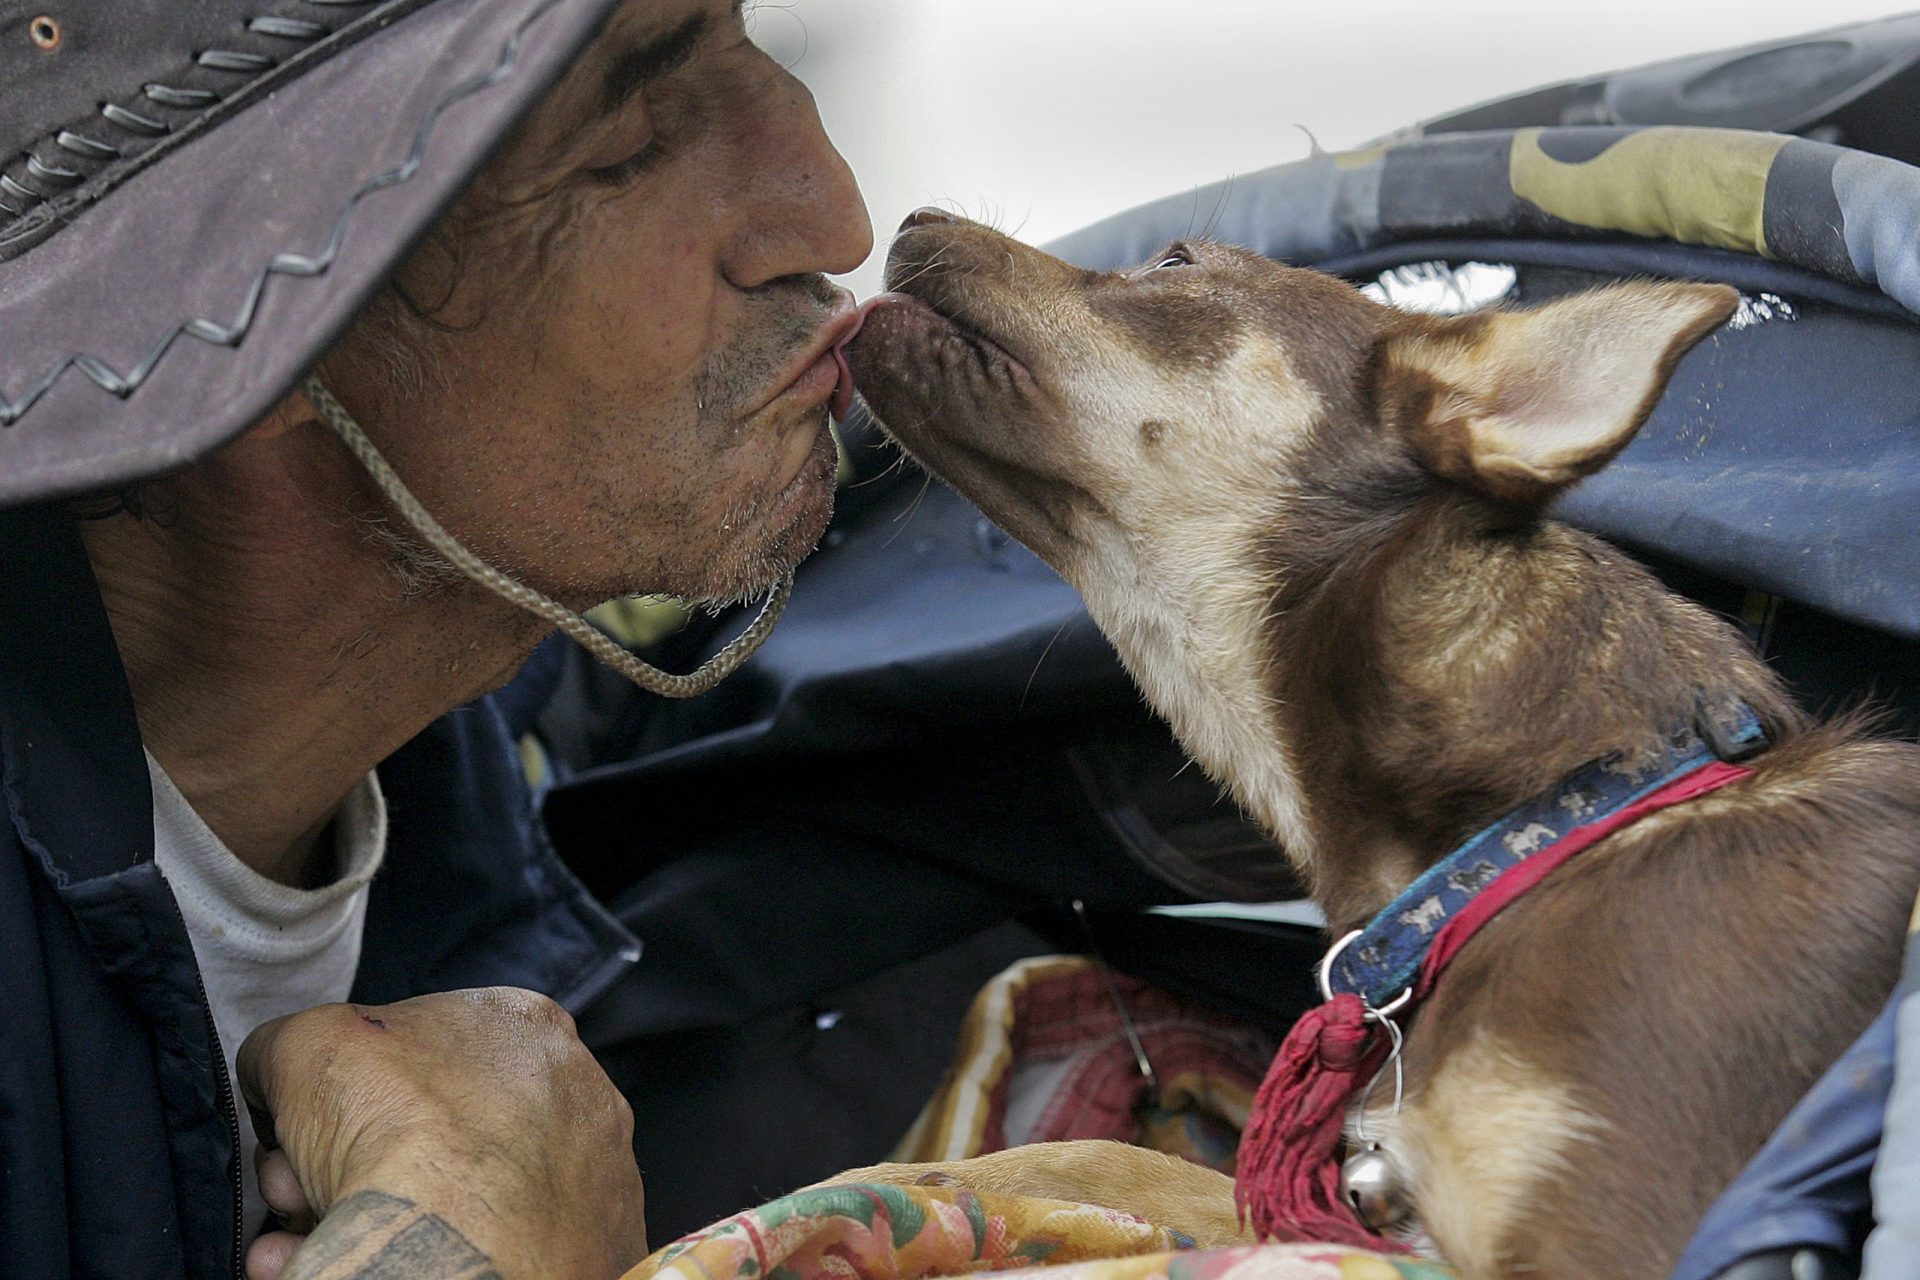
(806, 214)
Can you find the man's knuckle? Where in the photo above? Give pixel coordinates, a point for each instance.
(538, 1010)
(298, 1039)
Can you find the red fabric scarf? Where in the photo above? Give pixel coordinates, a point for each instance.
(1288, 1180)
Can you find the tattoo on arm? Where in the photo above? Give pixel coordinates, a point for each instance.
(374, 1236)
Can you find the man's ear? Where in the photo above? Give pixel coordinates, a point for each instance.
(1520, 404)
(293, 410)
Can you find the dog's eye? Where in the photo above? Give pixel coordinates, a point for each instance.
(1178, 256)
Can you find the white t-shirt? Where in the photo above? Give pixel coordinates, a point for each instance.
(265, 949)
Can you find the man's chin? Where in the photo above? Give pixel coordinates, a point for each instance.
(775, 555)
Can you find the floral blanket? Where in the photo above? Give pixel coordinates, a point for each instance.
(874, 1232)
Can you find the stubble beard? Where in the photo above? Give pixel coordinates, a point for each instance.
(754, 566)
(723, 392)
(723, 568)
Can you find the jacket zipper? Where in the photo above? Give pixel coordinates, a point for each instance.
(223, 1096)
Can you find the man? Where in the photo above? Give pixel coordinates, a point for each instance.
(229, 591)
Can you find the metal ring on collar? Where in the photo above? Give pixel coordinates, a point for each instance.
(1325, 975)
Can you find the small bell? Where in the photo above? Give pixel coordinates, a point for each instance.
(1372, 1183)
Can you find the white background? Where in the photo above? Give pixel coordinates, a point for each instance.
(1045, 115)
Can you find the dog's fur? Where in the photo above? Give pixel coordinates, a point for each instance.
(1313, 527)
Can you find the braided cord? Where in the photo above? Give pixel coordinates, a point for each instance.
(591, 638)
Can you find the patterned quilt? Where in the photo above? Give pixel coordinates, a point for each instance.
(873, 1232)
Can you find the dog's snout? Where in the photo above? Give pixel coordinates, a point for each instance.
(927, 216)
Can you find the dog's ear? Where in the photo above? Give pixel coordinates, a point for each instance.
(1520, 404)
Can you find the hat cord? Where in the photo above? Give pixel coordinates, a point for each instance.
(591, 638)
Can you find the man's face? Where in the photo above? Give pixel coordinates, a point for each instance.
(628, 374)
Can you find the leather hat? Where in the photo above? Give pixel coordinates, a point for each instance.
(197, 195)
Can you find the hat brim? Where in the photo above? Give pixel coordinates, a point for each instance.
(174, 312)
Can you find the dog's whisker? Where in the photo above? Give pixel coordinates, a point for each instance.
(1219, 209)
(1034, 674)
(920, 271)
(906, 517)
(898, 463)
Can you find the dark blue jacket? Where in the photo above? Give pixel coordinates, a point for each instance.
(117, 1124)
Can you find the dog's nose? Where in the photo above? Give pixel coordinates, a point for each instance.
(927, 216)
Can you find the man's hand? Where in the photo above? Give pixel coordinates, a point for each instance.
(466, 1134)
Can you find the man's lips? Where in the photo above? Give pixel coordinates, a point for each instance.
(822, 368)
(843, 387)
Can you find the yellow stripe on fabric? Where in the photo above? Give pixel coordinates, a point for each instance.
(1346, 161)
(963, 1126)
(1913, 921)
(966, 1128)
(1697, 186)
(533, 761)
(953, 1124)
(1367, 1266)
(640, 622)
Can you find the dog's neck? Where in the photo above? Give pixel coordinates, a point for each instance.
(1197, 663)
(1374, 690)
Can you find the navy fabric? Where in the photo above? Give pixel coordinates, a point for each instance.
(1813, 1184)
(1629, 259)
(471, 893)
(1895, 1240)
(116, 1126)
(1809, 1185)
(95, 953)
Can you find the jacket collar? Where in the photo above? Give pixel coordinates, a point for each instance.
(472, 893)
(66, 716)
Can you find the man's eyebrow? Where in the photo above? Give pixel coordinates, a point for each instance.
(634, 66)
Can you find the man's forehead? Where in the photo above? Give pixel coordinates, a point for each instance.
(647, 38)
(642, 39)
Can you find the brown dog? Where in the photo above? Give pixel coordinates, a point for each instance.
(1313, 528)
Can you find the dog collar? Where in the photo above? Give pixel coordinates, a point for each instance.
(1288, 1180)
(1397, 956)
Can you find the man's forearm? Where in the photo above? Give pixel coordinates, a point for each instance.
(371, 1235)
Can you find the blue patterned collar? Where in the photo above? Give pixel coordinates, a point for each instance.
(1381, 962)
